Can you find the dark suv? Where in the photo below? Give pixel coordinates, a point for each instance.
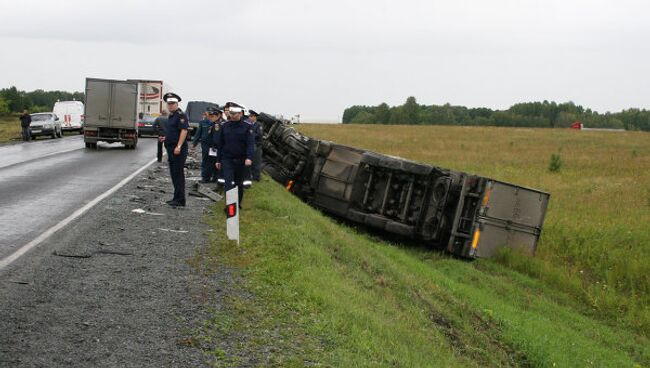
(195, 110)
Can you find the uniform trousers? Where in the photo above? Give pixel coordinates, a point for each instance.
(234, 173)
(177, 171)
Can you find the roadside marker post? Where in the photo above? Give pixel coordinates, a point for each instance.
(232, 214)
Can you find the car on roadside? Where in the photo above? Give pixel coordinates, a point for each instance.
(145, 126)
(46, 124)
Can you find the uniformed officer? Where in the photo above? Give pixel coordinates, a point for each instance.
(176, 145)
(204, 135)
(235, 149)
(215, 116)
(159, 127)
(258, 131)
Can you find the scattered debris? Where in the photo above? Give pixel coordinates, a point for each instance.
(101, 251)
(59, 254)
(19, 282)
(173, 231)
(205, 191)
(135, 198)
(115, 252)
(141, 211)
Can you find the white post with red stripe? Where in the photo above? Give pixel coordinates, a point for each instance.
(232, 214)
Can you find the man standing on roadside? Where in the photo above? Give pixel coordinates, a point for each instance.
(25, 120)
(176, 145)
(159, 127)
(235, 149)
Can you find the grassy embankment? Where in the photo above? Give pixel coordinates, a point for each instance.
(9, 128)
(327, 294)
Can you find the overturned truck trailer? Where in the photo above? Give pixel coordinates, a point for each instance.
(469, 215)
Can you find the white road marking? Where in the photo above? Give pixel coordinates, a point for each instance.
(39, 239)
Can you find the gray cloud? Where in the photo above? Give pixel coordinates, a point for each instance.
(317, 57)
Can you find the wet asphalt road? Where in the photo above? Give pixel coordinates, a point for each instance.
(44, 181)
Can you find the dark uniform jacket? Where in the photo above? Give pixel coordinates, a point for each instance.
(202, 133)
(258, 131)
(25, 120)
(236, 140)
(159, 125)
(176, 122)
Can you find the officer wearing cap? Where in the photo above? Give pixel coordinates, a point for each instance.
(235, 149)
(258, 132)
(204, 135)
(176, 145)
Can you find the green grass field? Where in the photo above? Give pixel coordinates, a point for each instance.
(9, 129)
(326, 294)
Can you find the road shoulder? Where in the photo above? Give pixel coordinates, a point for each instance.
(114, 288)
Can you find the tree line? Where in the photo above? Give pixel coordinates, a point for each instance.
(527, 114)
(13, 100)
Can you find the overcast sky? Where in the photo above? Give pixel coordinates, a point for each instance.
(315, 58)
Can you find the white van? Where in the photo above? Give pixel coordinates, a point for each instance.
(71, 114)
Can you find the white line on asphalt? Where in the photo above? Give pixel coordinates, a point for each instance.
(25, 248)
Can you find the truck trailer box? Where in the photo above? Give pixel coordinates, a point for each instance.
(111, 112)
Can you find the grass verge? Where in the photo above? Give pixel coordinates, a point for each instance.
(9, 128)
(321, 293)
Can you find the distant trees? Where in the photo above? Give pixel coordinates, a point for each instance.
(14, 100)
(527, 114)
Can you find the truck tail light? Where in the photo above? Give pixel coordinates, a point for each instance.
(90, 133)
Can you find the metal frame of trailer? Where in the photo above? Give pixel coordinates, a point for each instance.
(468, 215)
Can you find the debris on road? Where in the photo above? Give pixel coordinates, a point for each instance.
(173, 231)
(205, 191)
(141, 211)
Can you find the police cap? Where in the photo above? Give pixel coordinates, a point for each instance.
(253, 112)
(170, 97)
(213, 110)
(234, 107)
